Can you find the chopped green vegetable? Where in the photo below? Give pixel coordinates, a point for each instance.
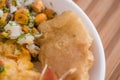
(21, 36)
(14, 0)
(5, 9)
(1, 68)
(31, 21)
(4, 40)
(31, 14)
(11, 23)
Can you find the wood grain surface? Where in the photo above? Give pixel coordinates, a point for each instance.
(105, 14)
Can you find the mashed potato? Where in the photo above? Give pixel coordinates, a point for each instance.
(17, 65)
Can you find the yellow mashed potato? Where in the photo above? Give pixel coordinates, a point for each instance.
(17, 65)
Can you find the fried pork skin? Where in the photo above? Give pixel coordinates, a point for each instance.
(65, 45)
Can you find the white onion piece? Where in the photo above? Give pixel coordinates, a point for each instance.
(13, 29)
(20, 3)
(13, 9)
(1, 13)
(37, 35)
(26, 39)
(33, 48)
(28, 2)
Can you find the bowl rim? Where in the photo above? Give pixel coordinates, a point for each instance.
(102, 55)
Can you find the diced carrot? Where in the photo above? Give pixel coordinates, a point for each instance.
(25, 28)
(35, 30)
(25, 51)
(40, 18)
(22, 16)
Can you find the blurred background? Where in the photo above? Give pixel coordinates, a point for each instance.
(105, 15)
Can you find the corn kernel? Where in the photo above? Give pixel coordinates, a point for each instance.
(3, 19)
(30, 65)
(35, 30)
(25, 64)
(25, 29)
(4, 34)
(25, 51)
(13, 3)
(25, 54)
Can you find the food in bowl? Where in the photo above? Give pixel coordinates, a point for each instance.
(38, 44)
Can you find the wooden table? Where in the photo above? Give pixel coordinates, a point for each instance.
(105, 14)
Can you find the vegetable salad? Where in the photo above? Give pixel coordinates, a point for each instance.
(19, 20)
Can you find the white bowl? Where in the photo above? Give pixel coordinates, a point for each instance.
(98, 70)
